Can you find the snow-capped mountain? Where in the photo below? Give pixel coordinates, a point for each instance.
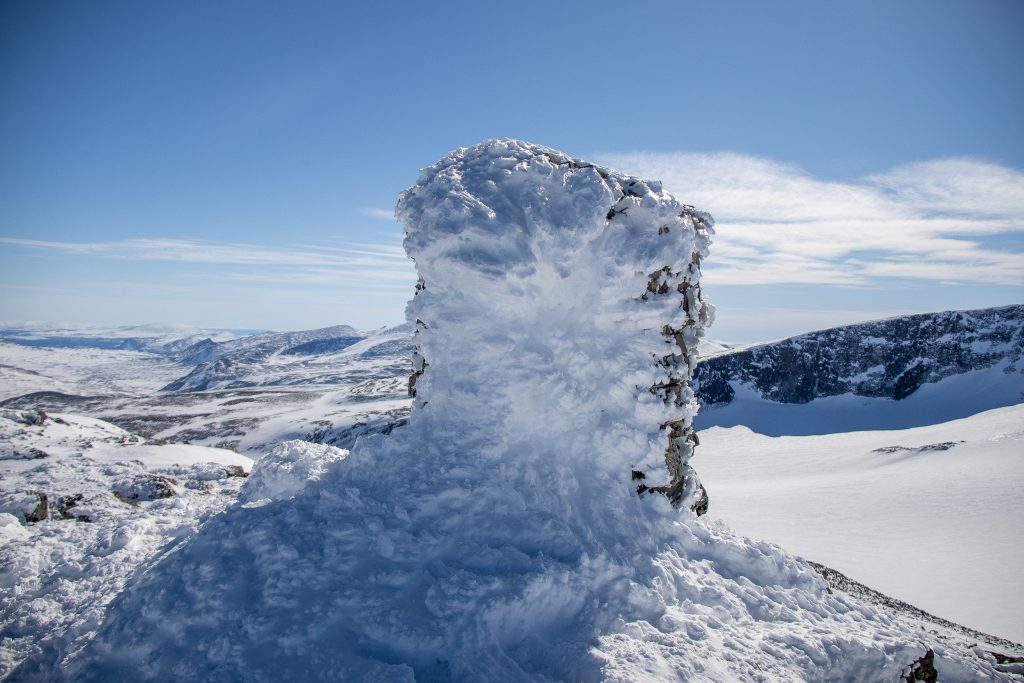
(161, 339)
(900, 372)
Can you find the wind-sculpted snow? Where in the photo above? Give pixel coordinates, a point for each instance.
(498, 535)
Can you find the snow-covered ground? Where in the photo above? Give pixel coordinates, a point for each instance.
(931, 515)
(83, 506)
(82, 371)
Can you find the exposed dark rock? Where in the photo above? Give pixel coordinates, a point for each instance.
(145, 487)
(65, 504)
(922, 669)
(41, 510)
(1008, 663)
(944, 446)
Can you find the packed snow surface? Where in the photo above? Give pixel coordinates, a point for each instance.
(498, 536)
(943, 499)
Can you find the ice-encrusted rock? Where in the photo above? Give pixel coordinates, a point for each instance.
(577, 271)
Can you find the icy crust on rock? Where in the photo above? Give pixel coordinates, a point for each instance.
(497, 536)
(559, 304)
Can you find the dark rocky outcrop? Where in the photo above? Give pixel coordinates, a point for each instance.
(923, 669)
(29, 506)
(885, 359)
(145, 487)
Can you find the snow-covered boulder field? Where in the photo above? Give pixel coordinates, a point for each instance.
(84, 505)
(500, 534)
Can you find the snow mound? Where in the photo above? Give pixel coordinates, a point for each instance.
(498, 535)
(287, 469)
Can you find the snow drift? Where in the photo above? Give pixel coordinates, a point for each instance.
(498, 536)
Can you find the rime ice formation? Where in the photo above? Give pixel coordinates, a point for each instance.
(589, 284)
(497, 536)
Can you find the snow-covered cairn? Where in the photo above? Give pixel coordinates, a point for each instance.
(559, 304)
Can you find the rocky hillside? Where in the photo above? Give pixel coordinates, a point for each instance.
(882, 359)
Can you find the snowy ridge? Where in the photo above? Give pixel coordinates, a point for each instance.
(152, 338)
(497, 536)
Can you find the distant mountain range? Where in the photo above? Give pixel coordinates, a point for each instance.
(153, 338)
(904, 371)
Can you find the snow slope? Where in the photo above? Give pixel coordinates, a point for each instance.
(936, 522)
(83, 506)
(498, 536)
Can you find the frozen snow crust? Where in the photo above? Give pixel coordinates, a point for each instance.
(498, 535)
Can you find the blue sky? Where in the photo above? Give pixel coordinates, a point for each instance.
(234, 164)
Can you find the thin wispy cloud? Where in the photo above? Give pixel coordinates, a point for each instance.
(381, 278)
(196, 251)
(386, 214)
(776, 224)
